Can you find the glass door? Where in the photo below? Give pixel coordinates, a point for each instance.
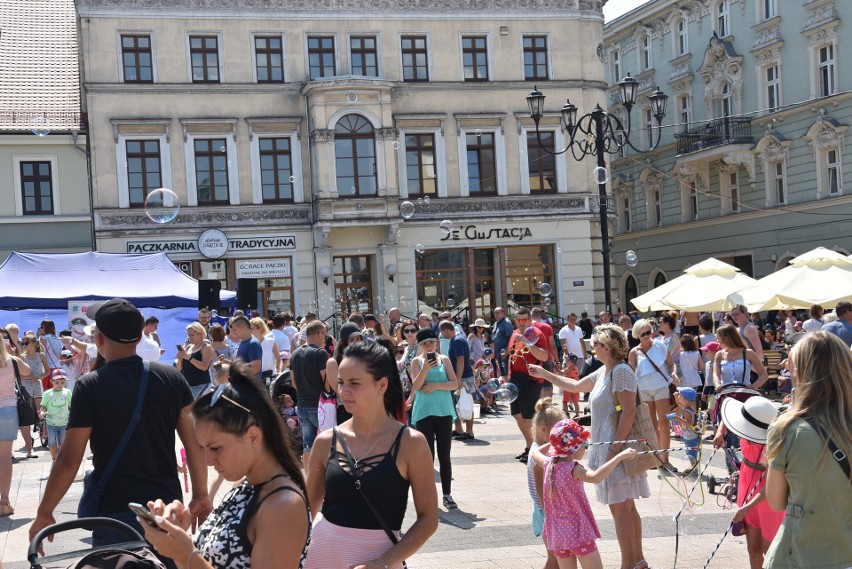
(353, 284)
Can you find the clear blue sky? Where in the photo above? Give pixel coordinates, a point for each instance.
(615, 8)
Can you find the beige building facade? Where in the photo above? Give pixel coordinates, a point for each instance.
(293, 135)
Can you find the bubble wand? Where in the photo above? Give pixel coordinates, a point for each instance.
(185, 476)
(731, 524)
(688, 501)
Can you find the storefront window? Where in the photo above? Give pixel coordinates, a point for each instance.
(442, 281)
(277, 295)
(484, 296)
(527, 268)
(353, 284)
(217, 270)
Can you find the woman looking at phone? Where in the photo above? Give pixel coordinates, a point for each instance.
(263, 522)
(433, 381)
(194, 360)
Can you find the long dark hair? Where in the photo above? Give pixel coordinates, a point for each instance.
(380, 359)
(246, 390)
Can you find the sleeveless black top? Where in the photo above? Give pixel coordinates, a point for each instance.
(193, 375)
(380, 480)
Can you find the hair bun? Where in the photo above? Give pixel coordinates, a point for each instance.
(543, 404)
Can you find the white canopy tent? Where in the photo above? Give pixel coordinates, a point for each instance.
(703, 287)
(820, 276)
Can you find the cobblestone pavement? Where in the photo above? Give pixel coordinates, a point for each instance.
(491, 528)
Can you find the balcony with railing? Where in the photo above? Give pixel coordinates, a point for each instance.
(714, 133)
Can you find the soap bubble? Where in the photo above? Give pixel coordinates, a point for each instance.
(492, 386)
(512, 389)
(532, 334)
(501, 396)
(395, 145)
(419, 201)
(419, 248)
(478, 132)
(292, 179)
(406, 209)
(600, 175)
(545, 289)
(447, 226)
(41, 126)
(631, 258)
(547, 301)
(427, 200)
(162, 205)
(503, 353)
(451, 303)
(222, 149)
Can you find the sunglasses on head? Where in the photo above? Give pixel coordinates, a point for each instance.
(219, 393)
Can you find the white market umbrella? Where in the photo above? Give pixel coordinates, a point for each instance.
(702, 287)
(820, 276)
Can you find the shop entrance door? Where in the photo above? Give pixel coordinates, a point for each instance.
(353, 284)
(276, 295)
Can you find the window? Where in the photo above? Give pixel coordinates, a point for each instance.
(648, 116)
(615, 67)
(682, 37)
(778, 182)
(415, 58)
(269, 59)
(625, 214)
(211, 171)
(723, 22)
(204, 57)
(136, 59)
(773, 88)
(734, 191)
(420, 164)
(825, 70)
(693, 201)
(535, 58)
(832, 170)
(659, 280)
(658, 208)
(541, 164)
(727, 101)
(276, 170)
(645, 55)
(475, 58)
(37, 188)
(144, 172)
(365, 58)
(481, 163)
(769, 8)
(321, 61)
(355, 157)
(684, 111)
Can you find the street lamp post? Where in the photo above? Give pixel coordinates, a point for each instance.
(600, 133)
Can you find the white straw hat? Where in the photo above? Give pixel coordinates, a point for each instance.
(481, 323)
(751, 419)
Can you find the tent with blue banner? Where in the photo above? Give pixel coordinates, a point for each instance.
(50, 280)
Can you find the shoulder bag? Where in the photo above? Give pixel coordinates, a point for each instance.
(93, 484)
(672, 387)
(358, 486)
(642, 428)
(836, 452)
(327, 409)
(26, 413)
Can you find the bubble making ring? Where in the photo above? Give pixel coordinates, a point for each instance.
(516, 352)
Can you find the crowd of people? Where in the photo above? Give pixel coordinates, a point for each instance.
(327, 436)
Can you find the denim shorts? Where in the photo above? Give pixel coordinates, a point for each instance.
(310, 426)
(9, 423)
(56, 435)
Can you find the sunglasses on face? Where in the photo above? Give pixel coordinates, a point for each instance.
(219, 393)
(400, 352)
(410, 331)
(645, 333)
(522, 320)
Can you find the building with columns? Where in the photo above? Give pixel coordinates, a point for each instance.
(753, 156)
(293, 134)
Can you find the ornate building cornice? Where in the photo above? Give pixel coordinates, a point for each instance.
(194, 218)
(192, 88)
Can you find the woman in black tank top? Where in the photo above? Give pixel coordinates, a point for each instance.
(263, 522)
(360, 472)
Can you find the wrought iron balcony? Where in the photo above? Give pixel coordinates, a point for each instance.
(713, 133)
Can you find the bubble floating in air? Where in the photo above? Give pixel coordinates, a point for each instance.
(545, 289)
(631, 258)
(600, 175)
(406, 209)
(162, 205)
(419, 248)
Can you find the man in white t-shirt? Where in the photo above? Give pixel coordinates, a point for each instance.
(282, 339)
(571, 337)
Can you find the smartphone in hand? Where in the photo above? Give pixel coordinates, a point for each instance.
(432, 357)
(143, 513)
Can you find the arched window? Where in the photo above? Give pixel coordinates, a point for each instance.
(355, 157)
(631, 291)
(659, 280)
(727, 100)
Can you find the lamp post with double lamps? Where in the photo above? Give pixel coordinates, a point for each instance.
(600, 133)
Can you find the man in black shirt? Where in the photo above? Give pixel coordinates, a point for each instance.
(104, 401)
(586, 325)
(307, 370)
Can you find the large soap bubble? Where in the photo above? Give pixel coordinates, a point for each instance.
(406, 209)
(162, 205)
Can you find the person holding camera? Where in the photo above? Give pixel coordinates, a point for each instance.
(433, 413)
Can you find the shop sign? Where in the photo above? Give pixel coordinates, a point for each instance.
(213, 244)
(472, 233)
(263, 268)
(579, 283)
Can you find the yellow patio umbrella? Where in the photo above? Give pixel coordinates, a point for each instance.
(703, 287)
(820, 276)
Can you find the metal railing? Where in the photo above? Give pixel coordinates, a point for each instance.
(716, 132)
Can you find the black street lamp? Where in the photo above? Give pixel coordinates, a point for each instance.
(600, 133)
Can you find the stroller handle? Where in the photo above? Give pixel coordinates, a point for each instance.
(80, 523)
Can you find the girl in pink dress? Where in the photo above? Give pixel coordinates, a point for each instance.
(570, 530)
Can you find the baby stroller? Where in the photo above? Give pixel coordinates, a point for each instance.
(133, 553)
(727, 487)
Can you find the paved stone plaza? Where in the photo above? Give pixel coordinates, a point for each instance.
(490, 530)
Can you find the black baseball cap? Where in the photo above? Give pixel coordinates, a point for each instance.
(118, 320)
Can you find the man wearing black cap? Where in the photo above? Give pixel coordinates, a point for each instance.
(104, 401)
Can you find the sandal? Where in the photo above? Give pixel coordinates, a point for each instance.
(6, 508)
(457, 434)
(32, 454)
(641, 564)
